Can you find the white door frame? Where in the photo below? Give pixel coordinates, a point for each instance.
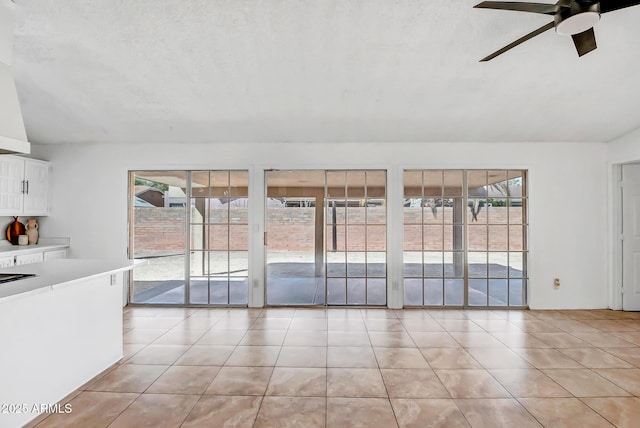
(615, 233)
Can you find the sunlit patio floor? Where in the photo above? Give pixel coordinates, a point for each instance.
(296, 284)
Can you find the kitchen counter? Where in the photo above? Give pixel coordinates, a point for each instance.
(56, 274)
(58, 330)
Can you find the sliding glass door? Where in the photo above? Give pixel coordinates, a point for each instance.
(465, 238)
(191, 228)
(326, 237)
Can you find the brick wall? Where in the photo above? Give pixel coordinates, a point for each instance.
(158, 230)
(161, 230)
(291, 229)
(495, 236)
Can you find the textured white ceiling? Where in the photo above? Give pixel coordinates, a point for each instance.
(321, 70)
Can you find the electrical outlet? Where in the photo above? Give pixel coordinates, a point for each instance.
(255, 283)
(556, 282)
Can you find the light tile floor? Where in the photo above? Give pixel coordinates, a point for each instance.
(366, 368)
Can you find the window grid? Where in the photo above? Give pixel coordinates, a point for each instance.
(486, 251)
(214, 228)
(355, 197)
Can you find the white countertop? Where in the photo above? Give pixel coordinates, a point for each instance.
(56, 274)
(44, 244)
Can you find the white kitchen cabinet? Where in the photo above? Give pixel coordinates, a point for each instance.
(55, 255)
(47, 249)
(25, 259)
(58, 335)
(24, 186)
(36, 196)
(11, 185)
(7, 261)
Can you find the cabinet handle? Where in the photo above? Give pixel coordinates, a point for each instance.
(27, 186)
(23, 183)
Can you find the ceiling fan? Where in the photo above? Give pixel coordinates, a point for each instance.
(574, 18)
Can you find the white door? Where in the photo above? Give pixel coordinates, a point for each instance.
(631, 237)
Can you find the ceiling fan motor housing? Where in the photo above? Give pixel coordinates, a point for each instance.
(577, 18)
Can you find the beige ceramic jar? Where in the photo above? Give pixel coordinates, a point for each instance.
(32, 231)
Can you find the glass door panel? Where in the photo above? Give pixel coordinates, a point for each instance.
(326, 238)
(294, 248)
(436, 216)
(219, 228)
(194, 236)
(365, 221)
(158, 235)
(199, 292)
(465, 237)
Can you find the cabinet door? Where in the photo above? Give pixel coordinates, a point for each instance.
(36, 197)
(55, 254)
(6, 261)
(25, 259)
(11, 185)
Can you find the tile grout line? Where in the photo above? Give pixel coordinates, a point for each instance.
(381, 376)
(264, 394)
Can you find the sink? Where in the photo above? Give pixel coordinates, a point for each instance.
(8, 277)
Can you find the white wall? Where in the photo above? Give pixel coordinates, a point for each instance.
(568, 184)
(625, 149)
(6, 31)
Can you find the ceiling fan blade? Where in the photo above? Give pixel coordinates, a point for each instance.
(611, 5)
(547, 9)
(519, 41)
(585, 42)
